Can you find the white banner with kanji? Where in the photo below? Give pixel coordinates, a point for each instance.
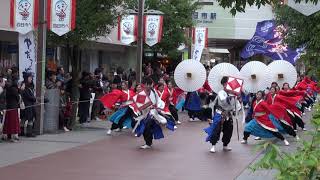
(61, 16)
(200, 36)
(197, 52)
(23, 15)
(27, 54)
(200, 41)
(153, 29)
(127, 29)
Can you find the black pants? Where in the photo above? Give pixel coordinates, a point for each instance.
(303, 107)
(174, 112)
(97, 108)
(296, 120)
(147, 134)
(288, 129)
(276, 134)
(206, 113)
(84, 111)
(193, 114)
(63, 121)
(129, 113)
(227, 129)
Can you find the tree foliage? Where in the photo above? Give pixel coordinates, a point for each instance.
(240, 5)
(94, 18)
(302, 30)
(302, 164)
(177, 18)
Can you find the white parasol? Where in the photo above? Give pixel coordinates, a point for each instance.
(253, 74)
(217, 73)
(281, 71)
(190, 75)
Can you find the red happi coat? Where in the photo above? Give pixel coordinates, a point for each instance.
(172, 96)
(279, 105)
(116, 95)
(290, 105)
(164, 96)
(261, 113)
(126, 96)
(207, 87)
(292, 93)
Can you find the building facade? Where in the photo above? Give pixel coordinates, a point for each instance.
(105, 52)
(228, 33)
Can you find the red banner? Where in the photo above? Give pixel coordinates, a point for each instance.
(153, 29)
(127, 29)
(61, 16)
(200, 36)
(24, 15)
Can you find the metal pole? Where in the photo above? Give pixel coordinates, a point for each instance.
(140, 40)
(190, 45)
(41, 57)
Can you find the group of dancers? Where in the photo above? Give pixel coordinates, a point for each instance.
(271, 114)
(158, 106)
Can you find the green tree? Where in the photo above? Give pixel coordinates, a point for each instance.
(302, 30)
(94, 18)
(302, 164)
(240, 5)
(177, 20)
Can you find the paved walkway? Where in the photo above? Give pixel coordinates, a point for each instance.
(90, 154)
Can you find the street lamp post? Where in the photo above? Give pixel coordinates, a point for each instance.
(140, 40)
(141, 12)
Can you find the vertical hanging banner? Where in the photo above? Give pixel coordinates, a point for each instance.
(200, 36)
(197, 53)
(127, 29)
(61, 16)
(153, 29)
(23, 15)
(200, 41)
(27, 54)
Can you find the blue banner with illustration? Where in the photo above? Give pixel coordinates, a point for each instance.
(268, 40)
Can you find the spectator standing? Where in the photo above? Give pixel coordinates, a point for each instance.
(29, 99)
(11, 127)
(65, 110)
(84, 101)
(97, 106)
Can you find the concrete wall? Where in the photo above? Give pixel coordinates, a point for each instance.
(222, 25)
(5, 15)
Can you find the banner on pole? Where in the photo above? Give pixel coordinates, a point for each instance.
(197, 52)
(200, 36)
(61, 16)
(127, 29)
(27, 55)
(200, 41)
(153, 29)
(23, 15)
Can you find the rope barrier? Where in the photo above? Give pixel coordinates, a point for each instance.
(49, 104)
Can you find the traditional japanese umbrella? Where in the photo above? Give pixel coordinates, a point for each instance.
(281, 71)
(190, 75)
(218, 72)
(234, 83)
(253, 74)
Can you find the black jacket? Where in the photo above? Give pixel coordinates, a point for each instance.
(29, 100)
(85, 89)
(12, 96)
(28, 96)
(3, 100)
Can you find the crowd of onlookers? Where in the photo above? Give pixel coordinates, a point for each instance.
(18, 100)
